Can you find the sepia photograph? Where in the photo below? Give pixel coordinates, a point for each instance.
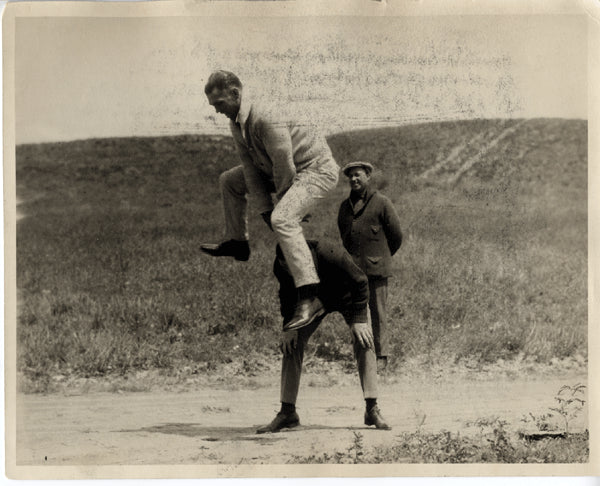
(299, 239)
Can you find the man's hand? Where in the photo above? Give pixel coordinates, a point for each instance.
(288, 342)
(266, 216)
(362, 333)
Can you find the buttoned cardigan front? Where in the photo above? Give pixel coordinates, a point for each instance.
(372, 234)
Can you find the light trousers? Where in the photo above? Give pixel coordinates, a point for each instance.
(309, 186)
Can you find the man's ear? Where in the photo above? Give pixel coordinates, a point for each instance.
(235, 91)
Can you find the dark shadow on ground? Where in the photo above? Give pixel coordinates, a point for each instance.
(330, 427)
(216, 434)
(213, 434)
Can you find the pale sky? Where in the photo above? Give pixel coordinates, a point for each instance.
(97, 77)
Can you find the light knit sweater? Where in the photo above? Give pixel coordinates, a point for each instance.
(273, 150)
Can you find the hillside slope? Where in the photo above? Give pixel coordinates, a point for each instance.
(535, 151)
(493, 263)
(538, 150)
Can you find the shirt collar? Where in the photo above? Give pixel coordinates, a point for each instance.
(244, 112)
(364, 196)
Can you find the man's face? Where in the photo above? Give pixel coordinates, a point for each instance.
(359, 179)
(226, 101)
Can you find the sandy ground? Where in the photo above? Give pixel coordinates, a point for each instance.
(203, 424)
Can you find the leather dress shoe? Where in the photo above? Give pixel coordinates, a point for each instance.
(281, 421)
(374, 417)
(240, 250)
(307, 310)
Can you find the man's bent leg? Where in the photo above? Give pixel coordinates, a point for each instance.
(285, 220)
(309, 187)
(233, 192)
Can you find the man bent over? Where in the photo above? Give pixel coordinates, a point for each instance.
(343, 288)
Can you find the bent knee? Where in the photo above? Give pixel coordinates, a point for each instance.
(227, 177)
(282, 222)
(233, 180)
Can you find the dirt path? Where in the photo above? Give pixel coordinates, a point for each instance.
(211, 425)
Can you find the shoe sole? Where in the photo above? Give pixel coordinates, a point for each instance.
(295, 327)
(287, 426)
(378, 428)
(237, 257)
(370, 422)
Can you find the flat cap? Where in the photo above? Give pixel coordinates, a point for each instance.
(368, 167)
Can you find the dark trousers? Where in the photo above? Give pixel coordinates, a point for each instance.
(378, 291)
(291, 366)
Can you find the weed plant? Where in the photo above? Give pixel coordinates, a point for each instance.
(494, 445)
(446, 447)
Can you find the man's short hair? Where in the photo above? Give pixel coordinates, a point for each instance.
(221, 80)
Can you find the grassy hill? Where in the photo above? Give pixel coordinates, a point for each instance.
(493, 266)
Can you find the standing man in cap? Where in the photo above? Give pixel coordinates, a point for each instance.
(344, 288)
(370, 229)
(279, 157)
